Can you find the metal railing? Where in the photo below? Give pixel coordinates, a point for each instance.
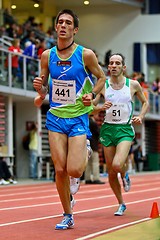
(28, 68)
(154, 105)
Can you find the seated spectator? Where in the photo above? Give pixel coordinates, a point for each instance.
(5, 175)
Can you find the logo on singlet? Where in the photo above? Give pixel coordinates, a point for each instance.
(110, 96)
(63, 63)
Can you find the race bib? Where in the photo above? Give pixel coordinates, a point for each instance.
(64, 92)
(118, 113)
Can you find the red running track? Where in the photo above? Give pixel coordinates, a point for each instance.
(31, 211)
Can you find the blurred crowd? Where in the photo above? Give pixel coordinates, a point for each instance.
(32, 40)
(30, 32)
(148, 87)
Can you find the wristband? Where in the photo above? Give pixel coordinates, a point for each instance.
(93, 95)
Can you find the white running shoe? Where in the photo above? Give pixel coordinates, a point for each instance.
(12, 181)
(3, 182)
(121, 209)
(74, 185)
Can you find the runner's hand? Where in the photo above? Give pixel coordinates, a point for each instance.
(87, 99)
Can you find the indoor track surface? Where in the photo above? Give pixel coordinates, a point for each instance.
(30, 211)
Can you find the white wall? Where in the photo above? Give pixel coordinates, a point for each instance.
(116, 27)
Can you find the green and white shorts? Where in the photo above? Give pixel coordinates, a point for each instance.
(113, 134)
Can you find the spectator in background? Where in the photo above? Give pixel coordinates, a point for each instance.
(156, 91)
(156, 85)
(106, 59)
(31, 51)
(15, 48)
(7, 17)
(143, 83)
(33, 150)
(41, 48)
(134, 75)
(50, 41)
(139, 159)
(3, 31)
(12, 30)
(131, 157)
(92, 172)
(5, 175)
(26, 28)
(30, 36)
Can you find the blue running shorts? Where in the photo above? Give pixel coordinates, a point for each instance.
(70, 126)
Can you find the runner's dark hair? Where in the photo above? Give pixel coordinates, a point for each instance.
(70, 12)
(121, 55)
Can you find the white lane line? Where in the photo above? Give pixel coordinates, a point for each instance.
(78, 212)
(29, 220)
(17, 187)
(53, 195)
(111, 229)
(78, 200)
(83, 187)
(24, 193)
(30, 198)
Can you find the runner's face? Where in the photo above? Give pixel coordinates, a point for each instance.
(115, 65)
(65, 26)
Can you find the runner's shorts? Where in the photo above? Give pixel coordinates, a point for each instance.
(113, 134)
(70, 126)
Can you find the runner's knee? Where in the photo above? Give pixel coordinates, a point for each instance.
(76, 172)
(117, 167)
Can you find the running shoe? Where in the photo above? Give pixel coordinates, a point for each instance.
(74, 185)
(126, 183)
(66, 223)
(12, 181)
(3, 182)
(120, 211)
(73, 201)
